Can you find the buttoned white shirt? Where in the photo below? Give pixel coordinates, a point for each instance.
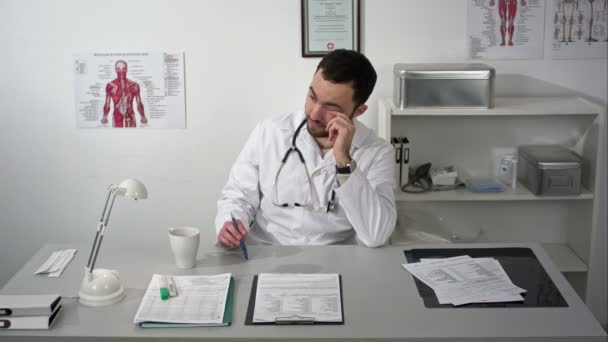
(364, 203)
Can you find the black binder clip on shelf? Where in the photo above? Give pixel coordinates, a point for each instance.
(294, 319)
(402, 158)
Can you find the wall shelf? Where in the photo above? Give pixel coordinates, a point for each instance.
(564, 258)
(509, 106)
(521, 193)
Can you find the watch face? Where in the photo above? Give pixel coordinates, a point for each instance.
(349, 168)
(352, 165)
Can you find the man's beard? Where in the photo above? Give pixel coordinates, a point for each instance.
(317, 133)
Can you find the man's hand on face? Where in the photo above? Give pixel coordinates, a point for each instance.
(341, 131)
(230, 237)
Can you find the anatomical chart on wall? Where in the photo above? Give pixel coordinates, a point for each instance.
(130, 89)
(505, 29)
(579, 28)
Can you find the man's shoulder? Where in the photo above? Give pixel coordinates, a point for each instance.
(370, 139)
(283, 121)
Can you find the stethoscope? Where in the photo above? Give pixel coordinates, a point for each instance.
(307, 202)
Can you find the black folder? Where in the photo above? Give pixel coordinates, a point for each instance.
(520, 264)
(250, 309)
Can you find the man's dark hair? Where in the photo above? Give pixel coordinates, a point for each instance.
(344, 66)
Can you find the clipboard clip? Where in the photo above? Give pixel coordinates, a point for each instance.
(294, 319)
(398, 149)
(402, 159)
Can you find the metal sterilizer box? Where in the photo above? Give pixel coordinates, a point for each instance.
(443, 85)
(549, 170)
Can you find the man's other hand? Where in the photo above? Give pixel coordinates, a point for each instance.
(230, 237)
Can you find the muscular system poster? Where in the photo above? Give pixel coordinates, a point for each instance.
(505, 29)
(130, 90)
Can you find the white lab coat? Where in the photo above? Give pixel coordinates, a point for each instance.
(365, 203)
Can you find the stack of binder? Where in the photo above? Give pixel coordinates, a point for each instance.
(29, 311)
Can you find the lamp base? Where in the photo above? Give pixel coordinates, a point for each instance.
(100, 287)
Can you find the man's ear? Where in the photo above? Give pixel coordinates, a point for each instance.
(360, 110)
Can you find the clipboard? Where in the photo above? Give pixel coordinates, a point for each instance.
(520, 264)
(290, 320)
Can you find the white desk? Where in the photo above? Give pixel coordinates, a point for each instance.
(380, 299)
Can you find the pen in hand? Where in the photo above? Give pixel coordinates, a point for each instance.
(241, 241)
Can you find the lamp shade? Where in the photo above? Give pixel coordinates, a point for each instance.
(133, 189)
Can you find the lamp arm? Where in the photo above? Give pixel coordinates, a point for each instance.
(100, 224)
(105, 224)
(101, 229)
(111, 190)
(97, 250)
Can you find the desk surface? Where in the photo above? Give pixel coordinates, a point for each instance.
(380, 298)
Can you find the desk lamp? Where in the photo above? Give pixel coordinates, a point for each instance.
(100, 286)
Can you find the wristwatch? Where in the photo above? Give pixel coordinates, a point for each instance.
(348, 169)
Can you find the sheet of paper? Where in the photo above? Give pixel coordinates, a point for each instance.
(298, 297)
(48, 263)
(57, 263)
(476, 290)
(461, 280)
(494, 266)
(447, 271)
(200, 299)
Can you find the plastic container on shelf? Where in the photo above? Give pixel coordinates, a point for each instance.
(507, 170)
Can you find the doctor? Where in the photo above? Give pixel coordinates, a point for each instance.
(318, 176)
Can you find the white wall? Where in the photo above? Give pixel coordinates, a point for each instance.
(243, 64)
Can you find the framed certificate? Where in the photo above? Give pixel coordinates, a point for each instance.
(329, 25)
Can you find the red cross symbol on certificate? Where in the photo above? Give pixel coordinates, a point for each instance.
(330, 46)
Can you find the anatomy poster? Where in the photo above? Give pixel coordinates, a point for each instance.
(130, 90)
(505, 29)
(579, 28)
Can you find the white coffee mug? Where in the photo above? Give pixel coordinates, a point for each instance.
(184, 244)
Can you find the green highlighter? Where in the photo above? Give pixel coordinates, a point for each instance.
(164, 288)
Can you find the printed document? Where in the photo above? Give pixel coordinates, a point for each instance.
(493, 266)
(294, 297)
(200, 299)
(461, 280)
